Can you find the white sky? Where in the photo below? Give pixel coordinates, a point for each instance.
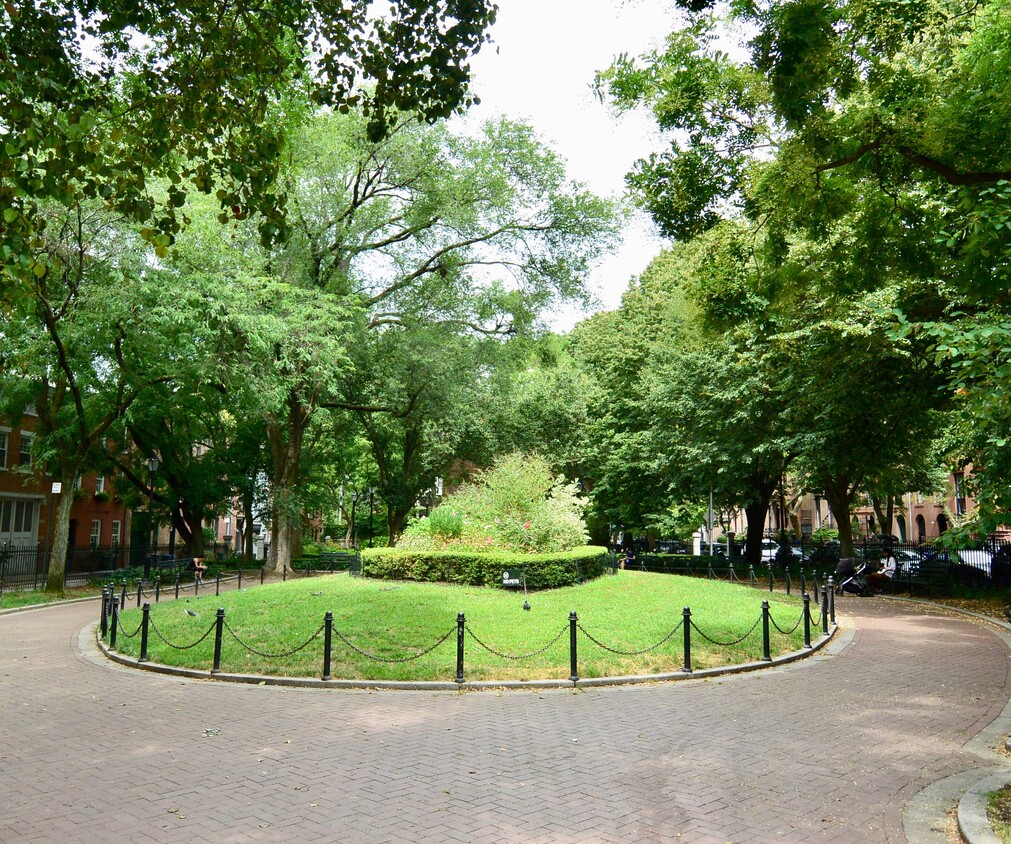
(540, 68)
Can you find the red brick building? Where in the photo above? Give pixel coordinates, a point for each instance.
(27, 500)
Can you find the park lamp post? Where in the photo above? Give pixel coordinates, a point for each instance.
(152, 470)
(354, 524)
(372, 502)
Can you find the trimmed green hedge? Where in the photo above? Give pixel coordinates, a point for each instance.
(543, 571)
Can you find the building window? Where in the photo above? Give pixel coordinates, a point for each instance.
(96, 532)
(77, 482)
(117, 531)
(959, 494)
(5, 438)
(25, 456)
(17, 522)
(99, 485)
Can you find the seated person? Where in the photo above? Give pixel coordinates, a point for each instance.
(198, 569)
(889, 566)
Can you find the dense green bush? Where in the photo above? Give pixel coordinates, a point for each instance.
(517, 505)
(484, 568)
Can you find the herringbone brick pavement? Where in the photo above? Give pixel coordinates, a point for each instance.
(829, 750)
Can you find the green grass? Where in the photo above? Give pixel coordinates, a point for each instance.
(999, 813)
(629, 612)
(11, 599)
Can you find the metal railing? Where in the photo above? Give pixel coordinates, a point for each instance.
(112, 628)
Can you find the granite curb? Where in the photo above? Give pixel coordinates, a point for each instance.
(89, 638)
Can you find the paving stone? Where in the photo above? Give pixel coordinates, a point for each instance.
(830, 750)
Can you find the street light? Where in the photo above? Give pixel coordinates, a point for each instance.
(372, 501)
(152, 470)
(354, 526)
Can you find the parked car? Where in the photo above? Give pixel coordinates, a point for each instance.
(770, 548)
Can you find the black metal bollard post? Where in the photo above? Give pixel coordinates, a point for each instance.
(284, 573)
(709, 571)
(105, 611)
(327, 642)
(218, 631)
(143, 632)
(733, 575)
(157, 587)
(824, 611)
(831, 599)
(114, 623)
(122, 595)
(766, 645)
(139, 590)
(817, 589)
(217, 584)
(262, 572)
(177, 584)
(751, 575)
(460, 623)
(788, 580)
(239, 587)
(686, 614)
(770, 575)
(803, 581)
(807, 620)
(573, 660)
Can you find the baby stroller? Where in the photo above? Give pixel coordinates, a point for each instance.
(850, 579)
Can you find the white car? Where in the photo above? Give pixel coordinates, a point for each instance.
(770, 548)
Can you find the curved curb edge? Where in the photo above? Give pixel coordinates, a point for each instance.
(923, 811)
(89, 640)
(973, 822)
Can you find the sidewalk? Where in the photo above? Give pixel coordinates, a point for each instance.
(830, 749)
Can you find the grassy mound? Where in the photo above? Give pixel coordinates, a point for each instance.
(631, 611)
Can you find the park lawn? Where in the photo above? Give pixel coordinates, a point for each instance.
(16, 598)
(630, 611)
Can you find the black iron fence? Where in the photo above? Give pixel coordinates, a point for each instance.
(26, 566)
(112, 630)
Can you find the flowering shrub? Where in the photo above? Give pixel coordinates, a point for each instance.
(517, 505)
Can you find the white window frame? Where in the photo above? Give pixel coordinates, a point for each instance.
(99, 484)
(96, 533)
(5, 441)
(117, 531)
(25, 449)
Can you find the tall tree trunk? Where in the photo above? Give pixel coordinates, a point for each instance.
(756, 513)
(56, 575)
(285, 440)
(396, 518)
(837, 494)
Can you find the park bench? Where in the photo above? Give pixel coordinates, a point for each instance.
(930, 577)
(348, 560)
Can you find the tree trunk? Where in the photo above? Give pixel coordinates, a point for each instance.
(756, 513)
(61, 538)
(286, 452)
(396, 519)
(837, 494)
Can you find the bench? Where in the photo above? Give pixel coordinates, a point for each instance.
(332, 561)
(929, 577)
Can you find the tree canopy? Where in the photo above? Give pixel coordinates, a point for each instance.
(140, 104)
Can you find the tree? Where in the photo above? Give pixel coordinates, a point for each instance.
(863, 142)
(101, 99)
(82, 356)
(422, 231)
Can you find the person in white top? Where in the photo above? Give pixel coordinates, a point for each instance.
(881, 578)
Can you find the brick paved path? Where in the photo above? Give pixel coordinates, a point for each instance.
(826, 750)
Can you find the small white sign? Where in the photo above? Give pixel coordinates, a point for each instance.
(57, 487)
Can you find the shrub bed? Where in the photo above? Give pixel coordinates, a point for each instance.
(484, 568)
